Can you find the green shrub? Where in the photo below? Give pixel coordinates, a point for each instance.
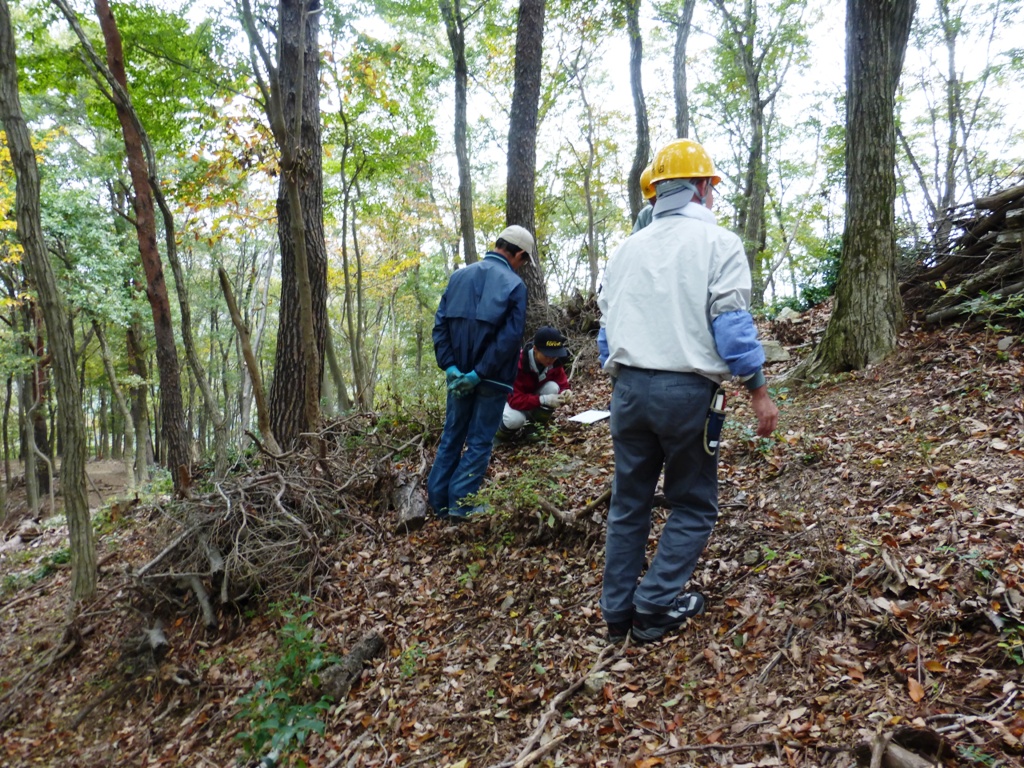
(283, 707)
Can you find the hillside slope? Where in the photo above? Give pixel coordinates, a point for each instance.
(862, 585)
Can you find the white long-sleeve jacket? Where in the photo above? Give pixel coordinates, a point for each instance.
(664, 289)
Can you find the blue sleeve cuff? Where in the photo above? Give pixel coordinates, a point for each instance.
(737, 343)
(755, 380)
(602, 346)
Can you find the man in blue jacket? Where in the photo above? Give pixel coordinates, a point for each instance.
(478, 330)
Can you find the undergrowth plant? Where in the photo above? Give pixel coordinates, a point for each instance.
(522, 493)
(284, 706)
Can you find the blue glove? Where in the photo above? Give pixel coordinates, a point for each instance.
(451, 373)
(465, 384)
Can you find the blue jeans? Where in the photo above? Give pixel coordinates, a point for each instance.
(657, 421)
(472, 422)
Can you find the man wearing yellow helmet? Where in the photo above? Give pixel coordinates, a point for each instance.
(676, 307)
(650, 195)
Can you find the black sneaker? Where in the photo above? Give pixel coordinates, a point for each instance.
(618, 630)
(648, 627)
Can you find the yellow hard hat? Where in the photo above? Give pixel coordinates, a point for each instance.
(645, 182)
(683, 159)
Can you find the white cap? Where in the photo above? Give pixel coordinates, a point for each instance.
(519, 237)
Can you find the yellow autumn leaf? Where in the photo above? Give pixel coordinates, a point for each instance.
(916, 689)
(935, 666)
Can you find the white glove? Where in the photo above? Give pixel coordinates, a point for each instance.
(551, 401)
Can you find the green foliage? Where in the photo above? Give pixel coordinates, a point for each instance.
(282, 709)
(47, 566)
(1012, 643)
(989, 306)
(410, 659)
(466, 578)
(817, 288)
(520, 494)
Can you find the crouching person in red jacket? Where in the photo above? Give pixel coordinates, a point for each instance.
(540, 386)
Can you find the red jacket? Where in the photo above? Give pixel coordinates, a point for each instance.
(524, 395)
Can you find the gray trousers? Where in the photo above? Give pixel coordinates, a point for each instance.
(657, 422)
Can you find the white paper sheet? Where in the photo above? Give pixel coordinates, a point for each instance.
(589, 417)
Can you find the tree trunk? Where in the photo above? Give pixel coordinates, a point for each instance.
(344, 401)
(28, 444)
(252, 365)
(40, 434)
(129, 429)
(140, 405)
(176, 440)
(868, 312)
(291, 96)
(682, 23)
(69, 397)
(752, 223)
(643, 137)
(103, 445)
(6, 427)
(455, 25)
(522, 147)
(740, 40)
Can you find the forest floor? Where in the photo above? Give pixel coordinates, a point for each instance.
(863, 583)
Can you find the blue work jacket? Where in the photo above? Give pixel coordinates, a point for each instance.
(480, 321)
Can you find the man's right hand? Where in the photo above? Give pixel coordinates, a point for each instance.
(451, 373)
(465, 384)
(766, 411)
(551, 401)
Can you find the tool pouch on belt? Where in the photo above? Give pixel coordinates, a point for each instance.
(713, 423)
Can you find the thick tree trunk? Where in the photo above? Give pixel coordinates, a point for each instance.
(292, 102)
(69, 397)
(868, 312)
(176, 440)
(455, 25)
(643, 137)
(520, 194)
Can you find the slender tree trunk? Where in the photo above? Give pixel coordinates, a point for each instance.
(344, 401)
(103, 447)
(868, 312)
(127, 454)
(643, 136)
(680, 92)
(28, 444)
(752, 212)
(6, 427)
(140, 405)
(212, 409)
(520, 194)
(40, 434)
(253, 366)
(176, 440)
(69, 397)
(455, 25)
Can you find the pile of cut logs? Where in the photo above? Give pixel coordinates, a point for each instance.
(977, 267)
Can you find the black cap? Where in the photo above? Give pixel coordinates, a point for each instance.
(550, 342)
